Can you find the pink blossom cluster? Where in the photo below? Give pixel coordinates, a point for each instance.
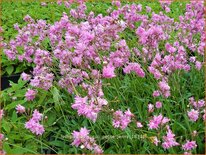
(89, 108)
(25, 76)
(165, 5)
(193, 115)
(30, 94)
(150, 37)
(67, 3)
(83, 140)
(20, 109)
(169, 140)
(134, 67)
(33, 124)
(108, 71)
(189, 145)
(156, 121)
(84, 41)
(197, 107)
(42, 78)
(122, 120)
(196, 104)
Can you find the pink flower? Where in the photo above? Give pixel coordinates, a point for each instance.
(42, 57)
(1, 137)
(156, 93)
(78, 136)
(20, 109)
(150, 108)
(36, 115)
(156, 141)
(67, 4)
(82, 138)
(204, 116)
(192, 59)
(33, 124)
(196, 104)
(167, 9)
(198, 65)
(10, 54)
(108, 71)
(192, 101)
(169, 139)
(89, 108)
(121, 120)
(193, 115)
(148, 9)
(165, 88)
(139, 125)
(165, 120)
(34, 127)
(16, 26)
(156, 121)
(201, 103)
(158, 105)
(1, 113)
(134, 67)
(2, 152)
(189, 145)
(25, 76)
(117, 3)
(30, 94)
(169, 48)
(27, 18)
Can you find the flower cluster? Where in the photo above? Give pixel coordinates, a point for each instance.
(197, 108)
(156, 121)
(169, 139)
(89, 108)
(30, 94)
(122, 120)
(83, 140)
(134, 67)
(33, 124)
(20, 109)
(189, 145)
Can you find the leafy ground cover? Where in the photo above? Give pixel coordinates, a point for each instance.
(130, 80)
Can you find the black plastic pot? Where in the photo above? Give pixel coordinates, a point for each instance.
(5, 80)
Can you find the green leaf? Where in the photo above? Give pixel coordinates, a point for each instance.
(51, 118)
(17, 86)
(57, 143)
(14, 116)
(6, 126)
(129, 134)
(9, 69)
(55, 93)
(6, 147)
(18, 150)
(56, 96)
(28, 137)
(42, 97)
